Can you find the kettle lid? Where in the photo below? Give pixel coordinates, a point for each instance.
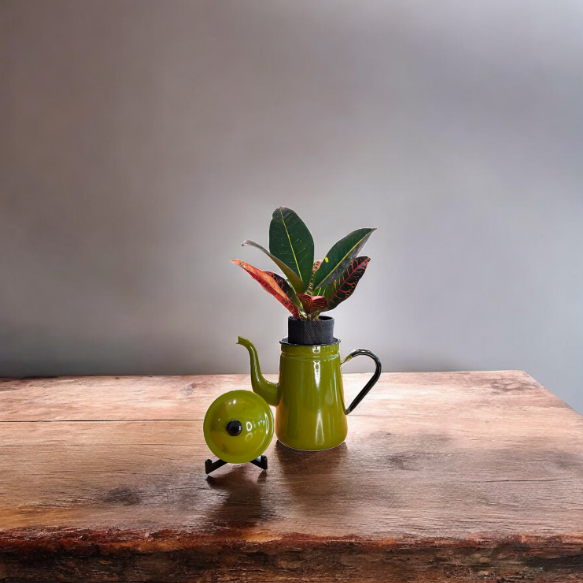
(238, 426)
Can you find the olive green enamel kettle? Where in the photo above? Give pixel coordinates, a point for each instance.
(310, 410)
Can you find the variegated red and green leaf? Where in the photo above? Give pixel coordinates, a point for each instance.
(313, 303)
(344, 286)
(314, 269)
(286, 288)
(269, 284)
(340, 257)
(292, 277)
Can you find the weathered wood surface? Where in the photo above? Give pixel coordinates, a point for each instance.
(466, 477)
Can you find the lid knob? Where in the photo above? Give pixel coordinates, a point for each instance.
(234, 427)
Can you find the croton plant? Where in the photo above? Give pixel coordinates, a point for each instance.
(309, 287)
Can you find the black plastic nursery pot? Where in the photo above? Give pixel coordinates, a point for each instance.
(310, 332)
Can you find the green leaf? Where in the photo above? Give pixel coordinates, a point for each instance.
(291, 242)
(313, 303)
(294, 279)
(344, 286)
(340, 256)
(269, 284)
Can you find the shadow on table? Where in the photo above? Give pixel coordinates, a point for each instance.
(240, 490)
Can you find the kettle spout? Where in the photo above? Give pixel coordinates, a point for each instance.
(264, 388)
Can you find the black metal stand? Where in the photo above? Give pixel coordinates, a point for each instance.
(210, 466)
(260, 462)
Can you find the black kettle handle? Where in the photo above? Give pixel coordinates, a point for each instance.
(371, 382)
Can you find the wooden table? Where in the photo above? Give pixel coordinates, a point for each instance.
(465, 477)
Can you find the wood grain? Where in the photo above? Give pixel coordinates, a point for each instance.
(468, 476)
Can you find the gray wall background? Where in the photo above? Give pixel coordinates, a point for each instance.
(143, 141)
